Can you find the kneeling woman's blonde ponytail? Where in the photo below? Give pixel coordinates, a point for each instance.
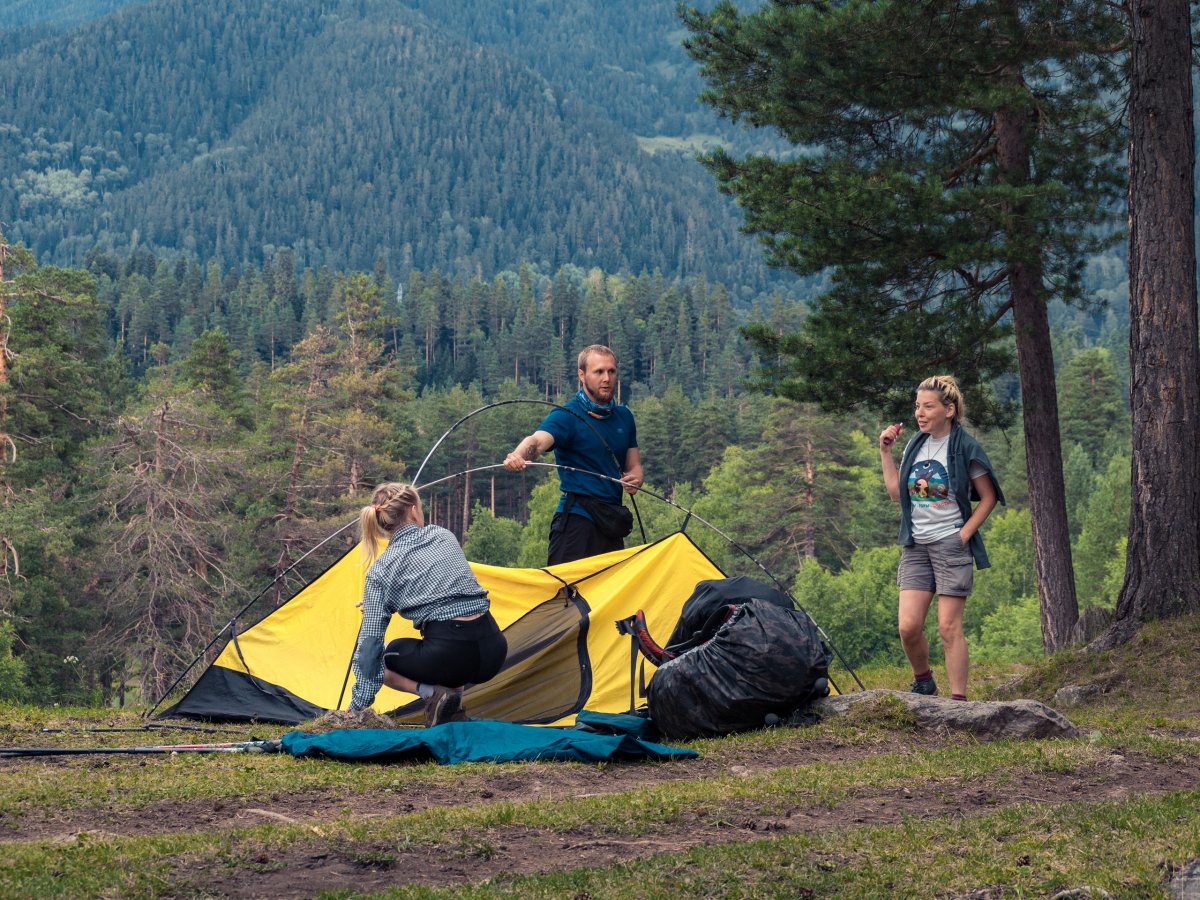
(389, 509)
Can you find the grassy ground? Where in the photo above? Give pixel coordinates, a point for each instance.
(865, 806)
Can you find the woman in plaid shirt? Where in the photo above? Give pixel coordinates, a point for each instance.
(423, 576)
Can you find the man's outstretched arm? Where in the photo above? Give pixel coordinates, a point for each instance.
(528, 450)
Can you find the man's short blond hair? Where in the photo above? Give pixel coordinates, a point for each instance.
(588, 351)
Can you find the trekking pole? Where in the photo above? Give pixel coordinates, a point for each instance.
(228, 747)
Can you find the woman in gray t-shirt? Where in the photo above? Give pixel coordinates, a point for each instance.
(941, 471)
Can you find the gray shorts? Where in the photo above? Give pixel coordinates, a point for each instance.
(945, 568)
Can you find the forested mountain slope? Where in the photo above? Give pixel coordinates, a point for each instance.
(56, 13)
(624, 57)
(347, 130)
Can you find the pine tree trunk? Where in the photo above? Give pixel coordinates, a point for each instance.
(1162, 571)
(1043, 450)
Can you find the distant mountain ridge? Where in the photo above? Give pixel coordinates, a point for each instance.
(351, 130)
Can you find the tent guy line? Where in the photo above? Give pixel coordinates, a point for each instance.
(148, 726)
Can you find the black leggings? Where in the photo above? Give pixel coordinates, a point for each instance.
(452, 654)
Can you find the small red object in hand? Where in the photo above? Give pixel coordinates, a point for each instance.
(888, 441)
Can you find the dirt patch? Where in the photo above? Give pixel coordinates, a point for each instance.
(321, 864)
(531, 782)
(326, 861)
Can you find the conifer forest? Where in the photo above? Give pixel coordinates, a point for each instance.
(258, 257)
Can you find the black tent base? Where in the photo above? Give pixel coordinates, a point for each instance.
(220, 690)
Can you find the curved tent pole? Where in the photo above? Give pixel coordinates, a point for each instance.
(689, 514)
(416, 480)
(632, 499)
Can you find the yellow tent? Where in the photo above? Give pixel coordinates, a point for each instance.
(565, 653)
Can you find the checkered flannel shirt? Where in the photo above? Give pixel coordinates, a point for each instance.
(423, 575)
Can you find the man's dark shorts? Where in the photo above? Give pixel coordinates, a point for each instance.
(574, 537)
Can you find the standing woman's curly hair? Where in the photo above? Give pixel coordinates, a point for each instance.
(947, 390)
(388, 510)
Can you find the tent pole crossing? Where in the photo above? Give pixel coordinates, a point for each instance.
(689, 514)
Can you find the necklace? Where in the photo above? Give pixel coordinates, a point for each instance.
(933, 446)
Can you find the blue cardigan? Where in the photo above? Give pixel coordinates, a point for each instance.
(962, 451)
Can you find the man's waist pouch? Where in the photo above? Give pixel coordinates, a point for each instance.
(613, 520)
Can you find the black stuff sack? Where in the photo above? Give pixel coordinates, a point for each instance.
(765, 659)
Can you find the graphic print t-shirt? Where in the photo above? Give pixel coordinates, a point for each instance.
(935, 514)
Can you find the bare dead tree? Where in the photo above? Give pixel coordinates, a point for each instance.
(170, 476)
(10, 561)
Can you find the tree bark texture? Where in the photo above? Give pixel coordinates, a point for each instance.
(1039, 400)
(1162, 572)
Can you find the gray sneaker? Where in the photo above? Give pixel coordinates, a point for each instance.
(927, 687)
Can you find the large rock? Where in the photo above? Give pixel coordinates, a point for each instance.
(1077, 694)
(1185, 885)
(987, 720)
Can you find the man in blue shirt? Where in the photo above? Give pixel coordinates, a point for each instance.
(592, 433)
